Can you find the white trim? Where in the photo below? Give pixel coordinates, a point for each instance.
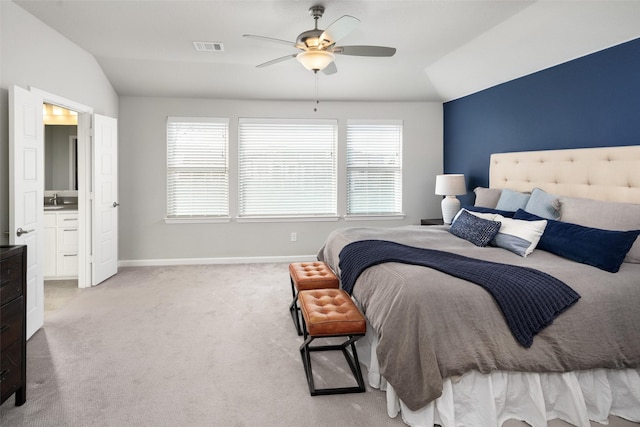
(197, 220)
(85, 148)
(288, 218)
(60, 101)
(373, 217)
(375, 122)
(179, 119)
(222, 260)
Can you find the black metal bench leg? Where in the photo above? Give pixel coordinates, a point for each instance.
(295, 310)
(352, 360)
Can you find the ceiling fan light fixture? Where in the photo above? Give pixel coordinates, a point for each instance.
(315, 60)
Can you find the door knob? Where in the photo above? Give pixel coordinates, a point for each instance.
(20, 231)
(116, 204)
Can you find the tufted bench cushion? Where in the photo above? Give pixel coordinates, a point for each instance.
(305, 276)
(328, 313)
(331, 312)
(312, 275)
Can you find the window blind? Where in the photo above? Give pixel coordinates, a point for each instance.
(287, 167)
(197, 167)
(374, 167)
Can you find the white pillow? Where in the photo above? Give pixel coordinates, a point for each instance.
(518, 236)
(483, 215)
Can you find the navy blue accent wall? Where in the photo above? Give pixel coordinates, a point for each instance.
(593, 101)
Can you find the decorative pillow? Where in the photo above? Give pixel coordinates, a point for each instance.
(476, 230)
(517, 236)
(608, 215)
(487, 197)
(484, 215)
(481, 209)
(512, 200)
(604, 249)
(543, 204)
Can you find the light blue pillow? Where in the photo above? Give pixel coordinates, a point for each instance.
(543, 204)
(512, 200)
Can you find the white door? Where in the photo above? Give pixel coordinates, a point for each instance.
(26, 194)
(105, 198)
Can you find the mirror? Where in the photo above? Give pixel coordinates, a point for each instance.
(60, 149)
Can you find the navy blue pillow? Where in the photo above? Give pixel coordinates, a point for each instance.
(476, 230)
(604, 249)
(482, 209)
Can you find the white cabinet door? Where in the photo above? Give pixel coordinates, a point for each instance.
(67, 265)
(26, 194)
(50, 251)
(68, 240)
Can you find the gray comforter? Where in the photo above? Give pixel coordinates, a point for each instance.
(433, 326)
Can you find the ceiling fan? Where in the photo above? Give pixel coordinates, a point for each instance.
(318, 47)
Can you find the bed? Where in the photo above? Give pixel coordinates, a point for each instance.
(440, 347)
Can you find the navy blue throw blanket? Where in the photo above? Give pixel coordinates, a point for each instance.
(529, 299)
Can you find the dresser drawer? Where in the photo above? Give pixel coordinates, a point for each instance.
(10, 278)
(10, 370)
(11, 318)
(68, 219)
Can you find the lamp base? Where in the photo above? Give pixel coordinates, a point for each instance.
(450, 207)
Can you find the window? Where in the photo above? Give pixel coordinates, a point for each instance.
(197, 167)
(374, 167)
(287, 167)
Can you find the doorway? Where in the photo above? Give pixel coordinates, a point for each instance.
(97, 192)
(75, 165)
(60, 200)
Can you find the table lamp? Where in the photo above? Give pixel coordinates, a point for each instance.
(450, 186)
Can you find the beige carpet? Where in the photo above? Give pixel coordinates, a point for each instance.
(184, 346)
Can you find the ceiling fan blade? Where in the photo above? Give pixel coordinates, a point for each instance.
(330, 69)
(275, 61)
(365, 50)
(269, 39)
(339, 28)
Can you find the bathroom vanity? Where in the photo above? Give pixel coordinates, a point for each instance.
(61, 242)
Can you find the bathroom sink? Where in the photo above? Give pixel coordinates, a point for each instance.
(51, 208)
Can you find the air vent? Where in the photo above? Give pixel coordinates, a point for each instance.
(208, 46)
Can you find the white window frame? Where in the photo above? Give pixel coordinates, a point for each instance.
(363, 163)
(216, 168)
(319, 192)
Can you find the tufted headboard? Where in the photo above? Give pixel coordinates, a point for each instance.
(606, 173)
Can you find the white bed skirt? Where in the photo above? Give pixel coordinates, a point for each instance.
(476, 399)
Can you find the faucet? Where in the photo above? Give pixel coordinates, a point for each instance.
(54, 199)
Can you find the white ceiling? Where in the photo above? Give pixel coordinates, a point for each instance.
(446, 49)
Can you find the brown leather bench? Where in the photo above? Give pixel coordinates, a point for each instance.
(306, 276)
(328, 313)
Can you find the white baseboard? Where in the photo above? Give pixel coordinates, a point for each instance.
(229, 260)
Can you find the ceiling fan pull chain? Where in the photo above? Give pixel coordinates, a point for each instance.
(317, 100)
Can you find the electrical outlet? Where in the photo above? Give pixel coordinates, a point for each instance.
(294, 237)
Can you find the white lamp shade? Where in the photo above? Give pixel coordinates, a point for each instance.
(450, 185)
(315, 60)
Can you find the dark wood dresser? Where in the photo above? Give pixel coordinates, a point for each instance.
(13, 323)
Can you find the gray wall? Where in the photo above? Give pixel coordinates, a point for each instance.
(34, 55)
(142, 161)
